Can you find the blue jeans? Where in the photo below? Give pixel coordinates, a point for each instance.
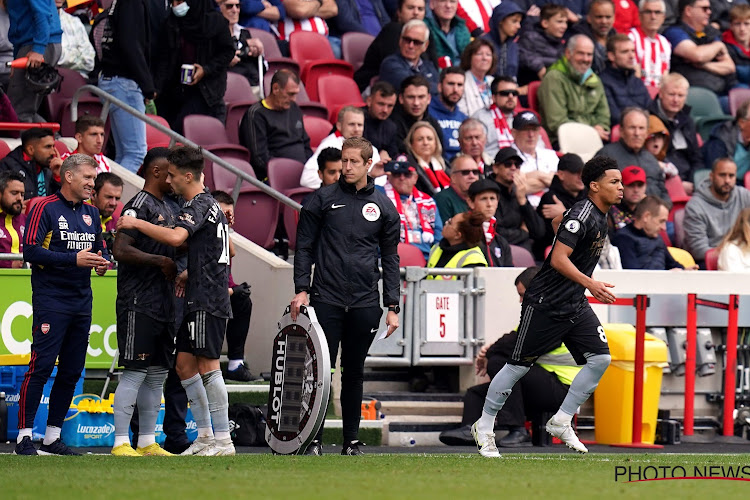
(128, 131)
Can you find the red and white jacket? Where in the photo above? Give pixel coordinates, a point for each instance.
(652, 54)
(101, 161)
(289, 26)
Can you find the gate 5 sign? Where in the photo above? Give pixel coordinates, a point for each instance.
(442, 317)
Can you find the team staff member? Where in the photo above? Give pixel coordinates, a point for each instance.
(12, 218)
(341, 229)
(63, 241)
(204, 227)
(145, 312)
(555, 309)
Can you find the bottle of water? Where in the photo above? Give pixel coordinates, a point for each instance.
(408, 441)
(3, 418)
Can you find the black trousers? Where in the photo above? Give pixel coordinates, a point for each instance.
(354, 330)
(239, 326)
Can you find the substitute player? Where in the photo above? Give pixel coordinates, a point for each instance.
(341, 229)
(145, 311)
(556, 310)
(63, 241)
(199, 340)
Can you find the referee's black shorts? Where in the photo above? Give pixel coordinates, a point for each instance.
(144, 341)
(538, 334)
(202, 334)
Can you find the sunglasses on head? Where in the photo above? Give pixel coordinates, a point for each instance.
(408, 40)
(466, 173)
(507, 93)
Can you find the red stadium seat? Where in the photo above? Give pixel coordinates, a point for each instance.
(155, 138)
(291, 216)
(532, 95)
(678, 217)
(652, 91)
(336, 91)
(235, 112)
(736, 98)
(61, 147)
(306, 46)
(315, 70)
(4, 149)
(238, 89)
(317, 128)
(712, 260)
(614, 135)
(272, 53)
(284, 174)
(209, 133)
(409, 255)
(87, 105)
(354, 47)
(260, 214)
(71, 81)
(521, 257)
(676, 190)
(224, 180)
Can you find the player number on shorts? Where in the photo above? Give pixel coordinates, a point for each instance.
(602, 336)
(222, 232)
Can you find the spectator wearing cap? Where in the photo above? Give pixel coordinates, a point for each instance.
(453, 199)
(630, 150)
(564, 191)
(640, 244)
(445, 110)
(623, 88)
(472, 137)
(657, 143)
(731, 139)
(571, 92)
(518, 222)
(421, 225)
(12, 217)
(448, 32)
(634, 190)
(714, 207)
(408, 61)
(505, 24)
(539, 162)
(350, 123)
(484, 196)
(498, 118)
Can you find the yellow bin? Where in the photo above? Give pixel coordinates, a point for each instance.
(613, 399)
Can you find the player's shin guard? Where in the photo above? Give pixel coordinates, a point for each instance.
(218, 402)
(149, 404)
(125, 399)
(585, 383)
(500, 388)
(198, 401)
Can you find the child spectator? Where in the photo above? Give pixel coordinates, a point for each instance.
(542, 45)
(737, 40)
(504, 26)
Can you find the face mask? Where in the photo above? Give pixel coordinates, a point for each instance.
(180, 10)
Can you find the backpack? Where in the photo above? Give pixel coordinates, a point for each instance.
(247, 425)
(102, 33)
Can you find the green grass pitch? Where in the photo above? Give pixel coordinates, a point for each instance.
(381, 476)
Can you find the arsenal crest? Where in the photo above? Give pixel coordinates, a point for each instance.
(44, 328)
(87, 219)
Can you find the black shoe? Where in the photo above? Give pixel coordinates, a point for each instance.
(516, 438)
(241, 374)
(176, 449)
(353, 448)
(56, 448)
(25, 447)
(460, 436)
(315, 448)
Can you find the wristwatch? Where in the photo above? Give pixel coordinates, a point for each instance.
(396, 309)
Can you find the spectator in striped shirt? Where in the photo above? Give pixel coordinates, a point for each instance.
(90, 137)
(652, 50)
(12, 218)
(309, 15)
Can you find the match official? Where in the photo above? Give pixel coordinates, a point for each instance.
(341, 229)
(63, 241)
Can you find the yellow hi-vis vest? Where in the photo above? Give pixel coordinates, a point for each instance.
(463, 258)
(560, 362)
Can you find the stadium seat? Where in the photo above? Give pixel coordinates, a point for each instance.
(614, 134)
(317, 128)
(4, 149)
(224, 180)
(545, 137)
(682, 256)
(676, 190)
(156, 138)
(238, 89)
(33, 201)
(284, 174)
(746, 180)
(71, 81)
(679, 227)
(87, 105)
(271, 52)
(354, 46)
(712, 260)
(652, 91)
(314, 54)
(315, 70)
(703, 103)
(336, 91)
(736, 98)
(259, 216)
(235, 112)
(210, 134)
(409, 255)
(532, 95)
(61, 147)
(579, 138)
(521, 257)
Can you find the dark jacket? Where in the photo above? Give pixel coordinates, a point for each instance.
(213, 54)
(341, 231)
(567, 199)
(395, 69)
(625, 157)
(349, 18)
(583, 27)
(128, 55)
(537, 50)
(498, 254)
(381, 133)
(439, 40)
(404, 121)
(248, 66)
(697, 76)
(623, 90)
(249, 10)
(15, 162)
(686, 160)
(510, 215)
(507, 51)
(721, 143)
(639, 251)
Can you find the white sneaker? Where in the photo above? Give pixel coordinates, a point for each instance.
(224, 448)
(485, 442)
(566, 434)
(199, 446)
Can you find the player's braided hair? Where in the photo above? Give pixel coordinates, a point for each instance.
(594, 169)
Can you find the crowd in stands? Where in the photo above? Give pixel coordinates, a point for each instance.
(451, 93)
